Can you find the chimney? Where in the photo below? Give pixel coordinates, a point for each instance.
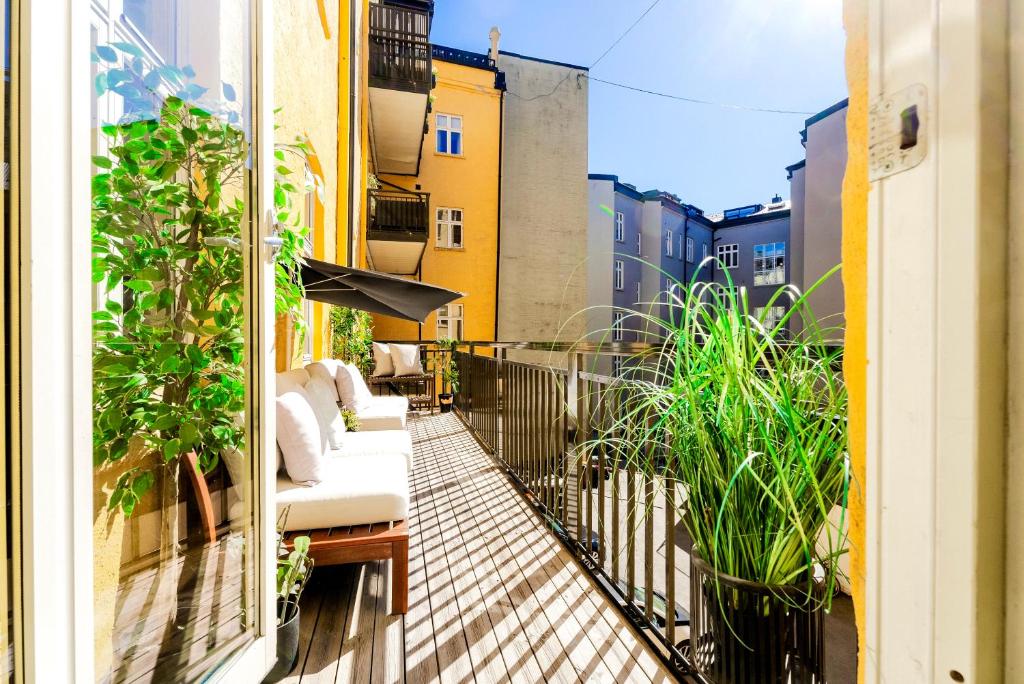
(495, 35)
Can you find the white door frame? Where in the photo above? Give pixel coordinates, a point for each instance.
(53, 374)
(937, 351)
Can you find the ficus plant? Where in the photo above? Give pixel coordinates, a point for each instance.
(352, 337)
(170, 202)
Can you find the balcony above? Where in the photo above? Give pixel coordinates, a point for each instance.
(396, 230)
(400, 81)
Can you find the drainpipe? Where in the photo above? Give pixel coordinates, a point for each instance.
(686, 242)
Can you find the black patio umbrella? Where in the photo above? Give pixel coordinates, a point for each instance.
(374, 292)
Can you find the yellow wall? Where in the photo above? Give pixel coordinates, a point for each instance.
(470, 183)
(855, 280)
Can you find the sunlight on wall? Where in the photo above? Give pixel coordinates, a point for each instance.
(855, 280)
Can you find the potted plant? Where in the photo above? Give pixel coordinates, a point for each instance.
(294, 567)
(168, 211)
(449, 372)
(751, 422)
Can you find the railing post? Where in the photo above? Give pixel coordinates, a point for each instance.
(469, 403)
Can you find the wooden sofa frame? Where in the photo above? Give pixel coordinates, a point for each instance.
(331, 546)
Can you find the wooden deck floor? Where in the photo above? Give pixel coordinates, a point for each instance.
(493, 596)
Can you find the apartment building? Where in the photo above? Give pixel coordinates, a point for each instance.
(750, 249)
(457, 185)
(816, 184)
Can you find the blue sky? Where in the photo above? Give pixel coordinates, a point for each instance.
(782, 54)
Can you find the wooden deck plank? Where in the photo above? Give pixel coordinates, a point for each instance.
(493, 595)
(324, 647)
(533, 551)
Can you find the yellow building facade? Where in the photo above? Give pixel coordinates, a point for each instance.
(460, 169)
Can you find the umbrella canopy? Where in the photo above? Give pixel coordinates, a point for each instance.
(374, 292)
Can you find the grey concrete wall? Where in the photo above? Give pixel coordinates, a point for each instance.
(823, 216)
(544, 214)
(747, 236)
(796, 226)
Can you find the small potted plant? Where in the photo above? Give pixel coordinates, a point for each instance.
(449, 372)
(294, 567)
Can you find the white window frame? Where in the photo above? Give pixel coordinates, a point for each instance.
(689, 250)
(619, 274)
(669, 241)
(453, 316)
(728, 256)
(445, 223)
(766, 269)
(620, 227)
(639, 297)
(616, 366)
(639, 244)
(618, 329)
(448, 130)
(774, 315)
(704, 250)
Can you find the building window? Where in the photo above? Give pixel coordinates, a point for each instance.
(620, 274)
(770, 263)
(689, 249)
(618, 326)
(728, 255)
(449, 322)
(668, 243)
(620, 227)
(769, 316)
(639, 244)
(449, 134)
(449, 228)
(309, 251)
(704, 250)
(638, 292)
(616, 366)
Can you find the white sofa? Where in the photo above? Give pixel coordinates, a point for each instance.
(366, 475)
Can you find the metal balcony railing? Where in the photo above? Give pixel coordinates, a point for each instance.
(400, 48)
(400, 214)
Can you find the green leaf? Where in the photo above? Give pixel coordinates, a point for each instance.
(102, 162)
(172, 448)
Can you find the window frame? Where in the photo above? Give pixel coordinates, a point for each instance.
(459, 320)
(620, 226)
(618, 330)
(727, 256)
(689, 250)
(447, 130)
(619, 275)
(769, 275)
(449, 223)
(669, 242)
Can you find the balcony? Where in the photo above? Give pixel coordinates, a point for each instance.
(397, 229)
(400, 80)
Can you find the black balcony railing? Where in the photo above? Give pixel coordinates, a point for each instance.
(400, 48)
(398, 215)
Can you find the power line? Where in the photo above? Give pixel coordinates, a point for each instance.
(693, 100)
(626, 33)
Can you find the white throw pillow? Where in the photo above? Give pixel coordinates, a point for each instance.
(326, 369)
(382, 364)
(406, 358)
(352, 389)
(323, 395)
(298, 434)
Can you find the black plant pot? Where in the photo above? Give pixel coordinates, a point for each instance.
(287, 648)
(747, 633)
(447, 400)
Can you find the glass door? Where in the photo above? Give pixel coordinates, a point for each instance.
(177, 297)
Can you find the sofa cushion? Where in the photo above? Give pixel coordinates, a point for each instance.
(356, 490)
(383, 413)
(289, 379)
(376, 443)
(323, 395)
(298, 434)
(406, 358)
(352, 388)
(326, 369)
(382, 364)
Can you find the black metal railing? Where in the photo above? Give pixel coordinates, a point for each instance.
(398, 213)
(400, 48)
(540, 422)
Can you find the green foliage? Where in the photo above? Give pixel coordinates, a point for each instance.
(753, 425)
(352, 337)
(294, 567)
(446, 365)
(351, 420)
(169, 204)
